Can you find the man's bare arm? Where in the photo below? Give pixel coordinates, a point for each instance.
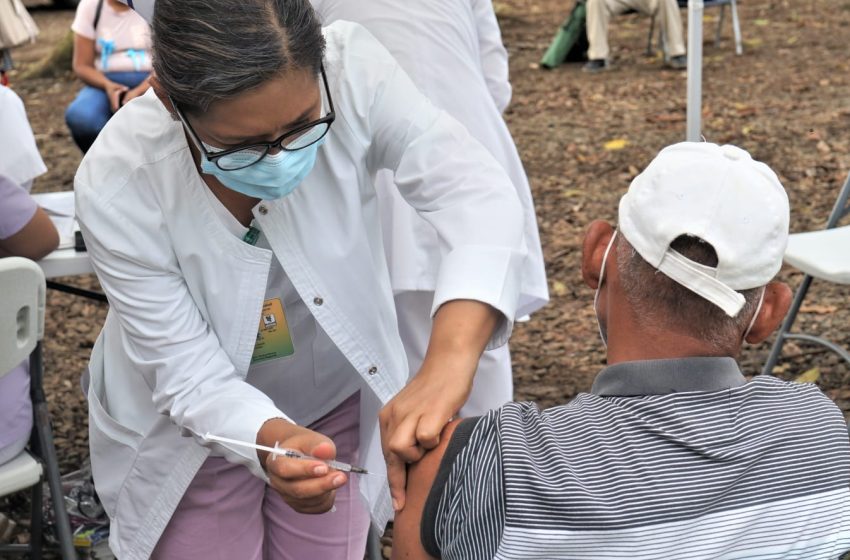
(407, 542)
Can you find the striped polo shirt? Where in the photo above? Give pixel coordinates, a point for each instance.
(666, 459)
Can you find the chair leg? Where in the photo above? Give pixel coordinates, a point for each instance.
(776, 351)
(42, 442)
(36, 524)
(51, 463)
(736, 28)
(649, 38)
(373, 545)
(720, 25)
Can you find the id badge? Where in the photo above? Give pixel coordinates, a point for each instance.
(273, 338)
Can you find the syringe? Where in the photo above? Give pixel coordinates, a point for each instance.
(290, 453)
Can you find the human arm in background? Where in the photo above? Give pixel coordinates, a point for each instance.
(26, 230)
(494, 56)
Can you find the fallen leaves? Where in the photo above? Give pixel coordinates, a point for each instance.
(616, 144)
(559, 288)
(808, 376)
(819, 309)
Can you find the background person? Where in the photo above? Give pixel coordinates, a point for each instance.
(25, 231)
(453, 52)
(112, 57)
(673, 453)
(235, 202)
(20, 161)
(599, 13)
(16, 28)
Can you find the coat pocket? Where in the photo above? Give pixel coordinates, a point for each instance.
(113, 446)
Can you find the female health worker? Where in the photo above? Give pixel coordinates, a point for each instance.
(231, 217)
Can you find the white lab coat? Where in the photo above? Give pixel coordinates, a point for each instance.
(186, 295)
(19, 157)
(453, 52)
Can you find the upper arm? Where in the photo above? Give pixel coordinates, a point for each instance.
(84, 34)
(83, 52)
(37, 239)
(407, 540)
(25, 229)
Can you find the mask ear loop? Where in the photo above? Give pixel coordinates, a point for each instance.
(602, 335)
(755, 315)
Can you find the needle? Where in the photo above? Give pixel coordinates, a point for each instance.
(290, 453)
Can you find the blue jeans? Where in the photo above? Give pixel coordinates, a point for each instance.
(90, 111)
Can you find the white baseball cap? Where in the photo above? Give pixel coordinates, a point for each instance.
(720, 195)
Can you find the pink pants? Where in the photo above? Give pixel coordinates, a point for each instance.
(229, 513)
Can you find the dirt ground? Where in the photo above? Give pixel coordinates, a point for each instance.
(785, 100)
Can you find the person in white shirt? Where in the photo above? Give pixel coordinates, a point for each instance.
(453, 52)
(232, 220)
(20, 161)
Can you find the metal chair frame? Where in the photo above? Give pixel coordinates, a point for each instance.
(42, 448)
(839, 211)
(736, 26)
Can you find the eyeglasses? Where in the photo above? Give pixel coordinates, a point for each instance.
(241, 157)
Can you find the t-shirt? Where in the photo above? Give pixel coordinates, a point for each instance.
(16, 210)
(122, 39)
(299, 367)
(20, 160)
(674, 459)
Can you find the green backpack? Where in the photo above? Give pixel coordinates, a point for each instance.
(570, 43)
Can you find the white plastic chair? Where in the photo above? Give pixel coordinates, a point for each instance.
(824, 255)
(22, 300)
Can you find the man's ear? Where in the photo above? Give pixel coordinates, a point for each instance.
(161, 94)
(593, 251)
(777, 300)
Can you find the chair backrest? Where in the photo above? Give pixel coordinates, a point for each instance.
(22, 299)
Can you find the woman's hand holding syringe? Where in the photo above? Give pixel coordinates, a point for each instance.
(308, 475)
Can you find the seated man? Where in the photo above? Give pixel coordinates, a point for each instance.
(673, 453)
(599, 13)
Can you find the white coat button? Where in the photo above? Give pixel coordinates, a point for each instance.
(263, 209)
(318, 301)
(373, 370)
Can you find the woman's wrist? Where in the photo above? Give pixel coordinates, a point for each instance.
(273, 431)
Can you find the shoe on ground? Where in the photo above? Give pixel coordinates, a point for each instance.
(596, 65)
(679, 62)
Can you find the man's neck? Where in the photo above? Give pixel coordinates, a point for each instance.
(630, 343)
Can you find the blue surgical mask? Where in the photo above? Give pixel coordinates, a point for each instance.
(273, 177)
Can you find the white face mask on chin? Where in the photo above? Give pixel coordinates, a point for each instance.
(603, 333)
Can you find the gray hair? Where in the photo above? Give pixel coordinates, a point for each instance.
(660, 301)
(207, 50)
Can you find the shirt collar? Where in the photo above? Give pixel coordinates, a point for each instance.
(662, 377)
